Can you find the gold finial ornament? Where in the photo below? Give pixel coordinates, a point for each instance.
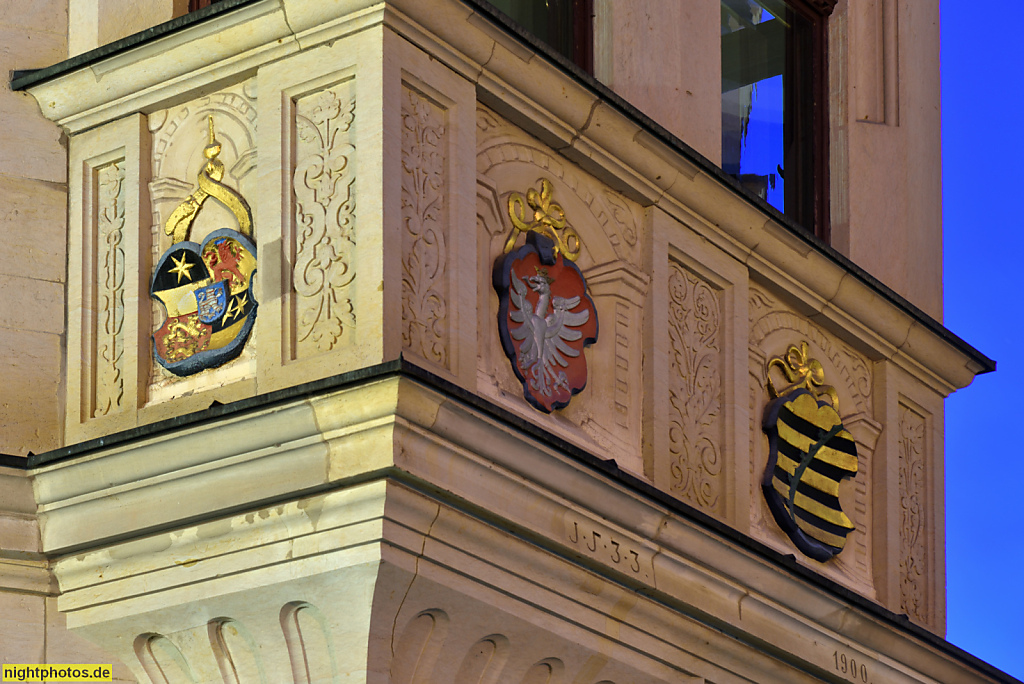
(212, 149)
(179, 223)
(801, 372)
(548, 219)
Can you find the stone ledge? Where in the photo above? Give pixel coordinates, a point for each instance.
(425, 479)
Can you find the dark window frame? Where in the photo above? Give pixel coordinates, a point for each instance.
(816, 216)
(583, 34)
(581, 18)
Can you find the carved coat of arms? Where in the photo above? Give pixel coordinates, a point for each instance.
(206, 289)
(545, 317)
(810, 453)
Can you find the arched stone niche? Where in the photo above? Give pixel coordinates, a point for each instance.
(179, 135)
(774, 327)
(606, 415)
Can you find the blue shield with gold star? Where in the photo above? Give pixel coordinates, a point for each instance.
(206, 290)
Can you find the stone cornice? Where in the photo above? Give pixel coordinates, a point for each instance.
(468, 457)
(591, 126)
(27, 576)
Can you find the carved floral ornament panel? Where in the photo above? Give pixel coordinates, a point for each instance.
(695, 334)
(205, 289)
(426, 315)
(323, 183)
(110, 276)
(545, 314)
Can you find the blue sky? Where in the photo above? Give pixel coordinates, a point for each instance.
(981, 93)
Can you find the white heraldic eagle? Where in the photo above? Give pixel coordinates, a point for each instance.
(544, 334)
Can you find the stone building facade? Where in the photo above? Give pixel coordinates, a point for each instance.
(360, 490)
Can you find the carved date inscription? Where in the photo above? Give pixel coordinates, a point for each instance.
(854, 670)
(601, 544)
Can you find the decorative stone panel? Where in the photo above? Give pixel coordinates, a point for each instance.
(322, 280)
(698, 296)
(914, 520)
(426, 230)
(695, 390)
(364, 261)
(909, 501)
(106, 280)
(322, 314)
(436, 267)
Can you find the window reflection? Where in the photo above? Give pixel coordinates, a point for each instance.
(768, 103)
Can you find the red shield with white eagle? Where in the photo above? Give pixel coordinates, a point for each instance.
(545, 319)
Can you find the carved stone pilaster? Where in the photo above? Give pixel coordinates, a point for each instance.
(106, 361)
(425, 321)
(325, 205)
(108, 390)
(912, 517)
(695, 390)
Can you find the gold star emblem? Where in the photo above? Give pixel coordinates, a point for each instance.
(236, 308)
(182, 268)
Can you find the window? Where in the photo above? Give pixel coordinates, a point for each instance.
(775, 104)
(565, 25)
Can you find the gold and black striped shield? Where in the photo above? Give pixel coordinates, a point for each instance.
(809, 455)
